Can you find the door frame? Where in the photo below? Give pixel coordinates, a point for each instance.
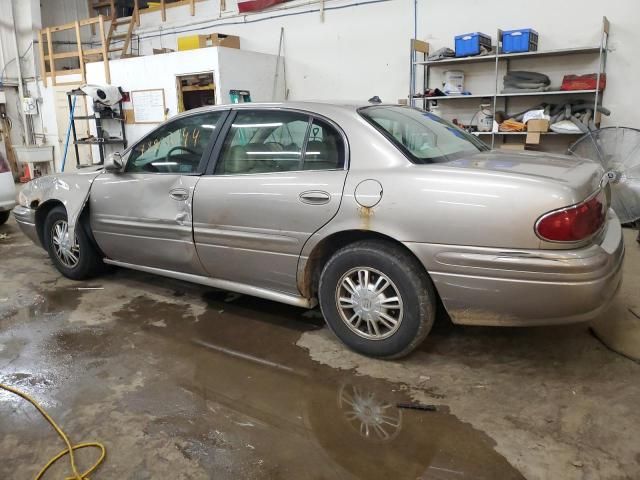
(216, 149)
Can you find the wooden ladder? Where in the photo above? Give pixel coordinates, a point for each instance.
(116, 35)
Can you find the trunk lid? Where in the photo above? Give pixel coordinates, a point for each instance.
(583, 177)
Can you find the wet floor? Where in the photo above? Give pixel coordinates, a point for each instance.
(184, 382)
(226, 389)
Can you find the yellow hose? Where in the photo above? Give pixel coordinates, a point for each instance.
(70, 448)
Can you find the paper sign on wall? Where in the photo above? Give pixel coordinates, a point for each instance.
(148, 106)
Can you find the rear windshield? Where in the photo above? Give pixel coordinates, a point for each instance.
(422, 136)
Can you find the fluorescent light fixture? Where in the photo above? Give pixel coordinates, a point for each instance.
(209, 126)
(155, 164)
(274, 153)
(256, 125)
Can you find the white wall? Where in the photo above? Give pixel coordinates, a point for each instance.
(232, 68)
(360, 51)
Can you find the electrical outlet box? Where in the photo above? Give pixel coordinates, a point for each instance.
(30, 106)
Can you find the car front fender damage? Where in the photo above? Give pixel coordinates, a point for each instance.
(72, 190)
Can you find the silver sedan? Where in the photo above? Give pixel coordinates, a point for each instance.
(376, 212)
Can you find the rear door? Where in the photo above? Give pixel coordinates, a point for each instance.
(277, 177)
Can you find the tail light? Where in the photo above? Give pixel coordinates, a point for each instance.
(574, 223)
(4, 166)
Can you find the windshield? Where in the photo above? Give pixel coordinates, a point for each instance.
(422, 136)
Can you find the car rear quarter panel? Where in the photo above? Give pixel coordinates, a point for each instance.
(440, 204)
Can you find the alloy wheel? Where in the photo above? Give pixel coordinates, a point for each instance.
(369, 303)
(66, 251)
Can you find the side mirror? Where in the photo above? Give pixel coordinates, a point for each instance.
(114, 163)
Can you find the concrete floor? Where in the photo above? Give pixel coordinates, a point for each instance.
(184, 382)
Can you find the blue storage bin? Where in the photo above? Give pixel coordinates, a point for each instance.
(471, 43)
(523, 40)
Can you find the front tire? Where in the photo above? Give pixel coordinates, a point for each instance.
(77, 260)
(377, 299)
(4, 216)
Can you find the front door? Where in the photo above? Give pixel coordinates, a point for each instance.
(278, 178)
(142, 216)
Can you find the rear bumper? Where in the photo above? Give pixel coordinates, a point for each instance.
(26, 220)
(487, 286)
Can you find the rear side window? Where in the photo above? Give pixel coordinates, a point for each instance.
(325, 148)
(422, 136)
(264, 141)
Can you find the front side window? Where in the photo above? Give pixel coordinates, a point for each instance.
(176, 147)
(424, 137)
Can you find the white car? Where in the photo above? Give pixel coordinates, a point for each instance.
(7, 191)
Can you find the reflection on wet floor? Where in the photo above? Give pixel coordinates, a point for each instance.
(226, 390)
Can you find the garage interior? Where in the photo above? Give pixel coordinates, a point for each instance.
(174, 379)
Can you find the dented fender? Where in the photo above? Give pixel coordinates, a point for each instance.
(71, 189)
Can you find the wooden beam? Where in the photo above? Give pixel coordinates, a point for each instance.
(43, 65)
(60, 55)
(89, 21)
(164, 10)
(72, 25)
(91, 12)
(136, 11)
(105, 52)
(193, 7)
(420, 46)
(52, 64)
(71, 71)
(127, 39)
(80, 56)
(93, 51)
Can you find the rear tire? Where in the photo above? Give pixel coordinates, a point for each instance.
(377, 299)
(4, 216)
(77, 261)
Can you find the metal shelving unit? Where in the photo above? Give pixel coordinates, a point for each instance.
(99, 116)
(499, 59)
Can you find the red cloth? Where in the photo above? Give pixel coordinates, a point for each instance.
(583, 82)
(253, 5)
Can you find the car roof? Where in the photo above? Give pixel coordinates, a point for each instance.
(320, 107)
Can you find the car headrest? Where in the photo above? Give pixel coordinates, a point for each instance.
(237, 160)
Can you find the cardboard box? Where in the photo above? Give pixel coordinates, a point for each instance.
(191, 42)
(512, 146)
(533, 138)
(534, 129)
(538, 126)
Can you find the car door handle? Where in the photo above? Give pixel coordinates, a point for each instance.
(315, 197)
(179, 194)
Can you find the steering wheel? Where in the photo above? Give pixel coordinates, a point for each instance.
(179, 147)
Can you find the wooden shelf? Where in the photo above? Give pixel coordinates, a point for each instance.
(197, 88)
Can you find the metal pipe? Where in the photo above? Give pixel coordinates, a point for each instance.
(412, 56)
(27, 137)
